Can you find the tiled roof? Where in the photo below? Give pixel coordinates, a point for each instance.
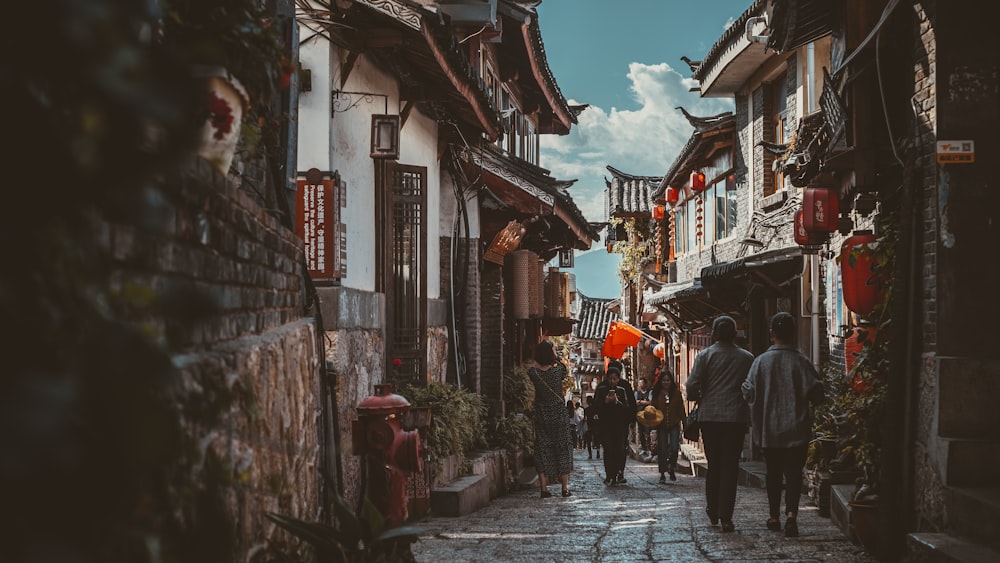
(629, 194)
(594, 318)
(732, 32)
(701, 146)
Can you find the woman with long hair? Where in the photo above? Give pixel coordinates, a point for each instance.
(553, 440)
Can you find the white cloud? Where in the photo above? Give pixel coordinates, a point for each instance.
(644, 141)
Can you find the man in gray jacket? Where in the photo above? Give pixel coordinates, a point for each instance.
(714, 381)
(781, 384)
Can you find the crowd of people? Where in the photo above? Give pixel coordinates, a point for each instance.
(736, 393)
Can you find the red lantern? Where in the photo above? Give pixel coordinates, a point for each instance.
(657, 212)
(862, 293)
(801, 234)
(673, 195)
(821, 210)
(697, 181)
(853, 347)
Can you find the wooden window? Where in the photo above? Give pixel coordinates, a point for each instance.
(406, 292)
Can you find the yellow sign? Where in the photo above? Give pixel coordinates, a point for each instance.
(956, 152)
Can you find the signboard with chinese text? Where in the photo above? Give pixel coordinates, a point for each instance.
(318, 199)
(956, 152)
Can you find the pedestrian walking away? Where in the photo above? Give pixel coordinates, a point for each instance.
(666, 396)
(779, 388)
(553, 442)
(715, 381)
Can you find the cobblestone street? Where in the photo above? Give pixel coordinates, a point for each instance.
(639, 521)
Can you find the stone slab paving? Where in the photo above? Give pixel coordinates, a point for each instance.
(639, 521)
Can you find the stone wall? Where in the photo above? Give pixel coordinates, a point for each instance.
(227, 274)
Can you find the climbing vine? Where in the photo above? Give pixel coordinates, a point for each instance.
(634, 250)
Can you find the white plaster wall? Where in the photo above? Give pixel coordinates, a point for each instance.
(418, 146)
(341, 141)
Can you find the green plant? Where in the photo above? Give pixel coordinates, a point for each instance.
(240, 35)
(363, 537)
(634, 254)
(457, 422)
(516, 432)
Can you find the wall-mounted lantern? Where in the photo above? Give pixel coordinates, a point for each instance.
(658, 212)
(385, 136)
(697, 181)
(821, 210)
(673, 195)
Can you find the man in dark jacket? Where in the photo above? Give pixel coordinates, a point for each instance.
(615, 411)
(714, 382)
(781, 384)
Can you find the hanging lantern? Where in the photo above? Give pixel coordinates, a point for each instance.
(671, 236)
(698, 217)
(801, 234)
(862, 293)
(673, 195)
(821, 210)
(854, 345)
(659, 350)
(658, 212)
(697, 181)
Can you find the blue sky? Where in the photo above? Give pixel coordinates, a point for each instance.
(624, 59)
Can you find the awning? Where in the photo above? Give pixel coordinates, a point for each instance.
(723, 288)
(774, 269)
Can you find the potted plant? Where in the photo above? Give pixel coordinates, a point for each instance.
(234, 47)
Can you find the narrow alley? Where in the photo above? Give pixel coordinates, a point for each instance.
(638, 521)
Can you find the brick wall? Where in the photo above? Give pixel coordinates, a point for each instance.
(248, 389)
(491, 336)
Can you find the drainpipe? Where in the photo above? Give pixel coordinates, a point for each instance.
(810, 77)
(814, 309)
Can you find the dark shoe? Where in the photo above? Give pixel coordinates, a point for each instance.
(590, 456)
(712, 517)
(727, 526)
(663, 479)
(673, 476)
(620, 480)
(609, 481)
(791, 528)
(546, 494)
(598, 455)
(566, 493)
(774, 524)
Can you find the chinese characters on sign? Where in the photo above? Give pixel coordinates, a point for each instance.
(318, 199)
(956, 152)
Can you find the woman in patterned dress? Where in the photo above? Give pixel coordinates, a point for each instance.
(553, 442)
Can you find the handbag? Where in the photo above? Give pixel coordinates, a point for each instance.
(692, 429)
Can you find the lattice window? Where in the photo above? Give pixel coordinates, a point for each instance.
(407, 288)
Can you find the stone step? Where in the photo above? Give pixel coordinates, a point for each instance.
(462, 496)
(840, 508)
(937, 547)
(974, 513)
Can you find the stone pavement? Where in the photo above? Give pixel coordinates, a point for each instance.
(639, 521)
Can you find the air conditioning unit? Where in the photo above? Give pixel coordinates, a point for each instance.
(478, 12)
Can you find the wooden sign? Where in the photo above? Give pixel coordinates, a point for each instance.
(318, 200)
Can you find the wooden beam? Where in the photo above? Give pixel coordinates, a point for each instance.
(404, 114)
(347, 67)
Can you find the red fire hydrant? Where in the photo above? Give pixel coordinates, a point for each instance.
(390, 451)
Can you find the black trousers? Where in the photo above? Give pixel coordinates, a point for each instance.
(787, 463)
(615, 442)
(723, 444)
